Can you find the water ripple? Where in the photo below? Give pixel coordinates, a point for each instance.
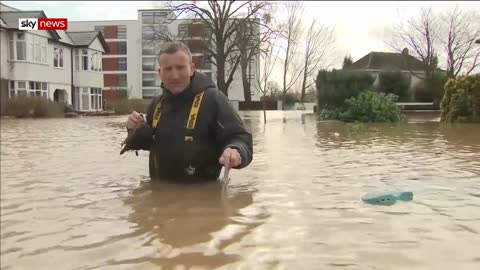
(69, 201)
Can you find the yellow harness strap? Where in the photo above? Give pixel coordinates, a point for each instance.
(192, 117)
(158, 113)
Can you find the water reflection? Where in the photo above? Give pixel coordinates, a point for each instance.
(191, 224)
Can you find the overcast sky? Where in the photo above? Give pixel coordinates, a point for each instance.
(360, 26)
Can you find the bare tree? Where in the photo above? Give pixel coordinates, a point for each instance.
(221, 22)
(461, 30)
(269, 52)
(250, 36)
(319, 42)
(420, 36)
(293, 32)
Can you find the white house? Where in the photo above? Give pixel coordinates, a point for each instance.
(59, 65)
(378, 62)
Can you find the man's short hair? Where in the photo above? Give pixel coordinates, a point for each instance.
(173, 47)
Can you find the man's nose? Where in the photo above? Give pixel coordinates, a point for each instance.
(175, 74)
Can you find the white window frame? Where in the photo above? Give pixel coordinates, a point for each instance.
(29, 88)
(37, 88)
(81, 57)
(94, 60)
(92, 94)
(85, 92)
(58, 52)
(35, 48)
(14, 42)
(96, 99)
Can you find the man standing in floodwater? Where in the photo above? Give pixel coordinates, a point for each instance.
(191, 130)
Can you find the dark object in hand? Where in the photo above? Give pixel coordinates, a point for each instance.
(140, 138)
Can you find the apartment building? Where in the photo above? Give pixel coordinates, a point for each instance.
(63, 66)
(131, 64)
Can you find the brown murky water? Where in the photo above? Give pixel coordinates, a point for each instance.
(69, 201)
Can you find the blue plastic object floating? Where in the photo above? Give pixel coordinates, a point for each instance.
(388, 198)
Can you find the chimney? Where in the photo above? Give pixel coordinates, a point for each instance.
(405, 51)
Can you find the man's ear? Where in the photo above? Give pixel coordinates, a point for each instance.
(192, 69)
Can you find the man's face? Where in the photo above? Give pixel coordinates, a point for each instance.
(175, 71)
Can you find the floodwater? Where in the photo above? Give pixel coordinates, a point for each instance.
(70, 201)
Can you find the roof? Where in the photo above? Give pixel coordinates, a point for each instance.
(388, 61)
(4, 7)
(85, 38)
(2, 24)
(11, 19)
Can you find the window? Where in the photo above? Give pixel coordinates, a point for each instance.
(21, 47)
(11, 48)
(84, 59)
(148, 18)
(57, 57)
(122, 80)
(148, 64)
(122, 47)
(160, 17)
(148, 48)
(96, 98)
(148, 79)
(93, 61)
(183, 30)
(31, 88)
(31, 48)
(148, 33)
(27, 47)
(43, 44)
(37, 49)
(17, 88)
(85, 99)
(122, 32)
(122, 63)
(100, 62)
(154, 17)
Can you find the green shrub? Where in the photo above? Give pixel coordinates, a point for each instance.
(334, 87)
(288, 99)
(395, 83)
(368, 106)
(461, 101)
(33, 106)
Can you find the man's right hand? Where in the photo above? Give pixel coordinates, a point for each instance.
(134, 120)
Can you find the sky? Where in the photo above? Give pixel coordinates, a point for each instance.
(360, 26)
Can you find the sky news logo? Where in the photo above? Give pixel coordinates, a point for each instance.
(42, 24)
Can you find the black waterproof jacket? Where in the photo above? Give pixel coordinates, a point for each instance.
(217, 127)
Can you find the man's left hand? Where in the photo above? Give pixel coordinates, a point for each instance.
(230, 158)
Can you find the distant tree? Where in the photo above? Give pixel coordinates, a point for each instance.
(347, 61)
(319, 42)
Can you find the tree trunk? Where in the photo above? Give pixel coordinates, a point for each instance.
(221, 84)
(304, 83)
(246, 83)
(286, 63)
(264, 111)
